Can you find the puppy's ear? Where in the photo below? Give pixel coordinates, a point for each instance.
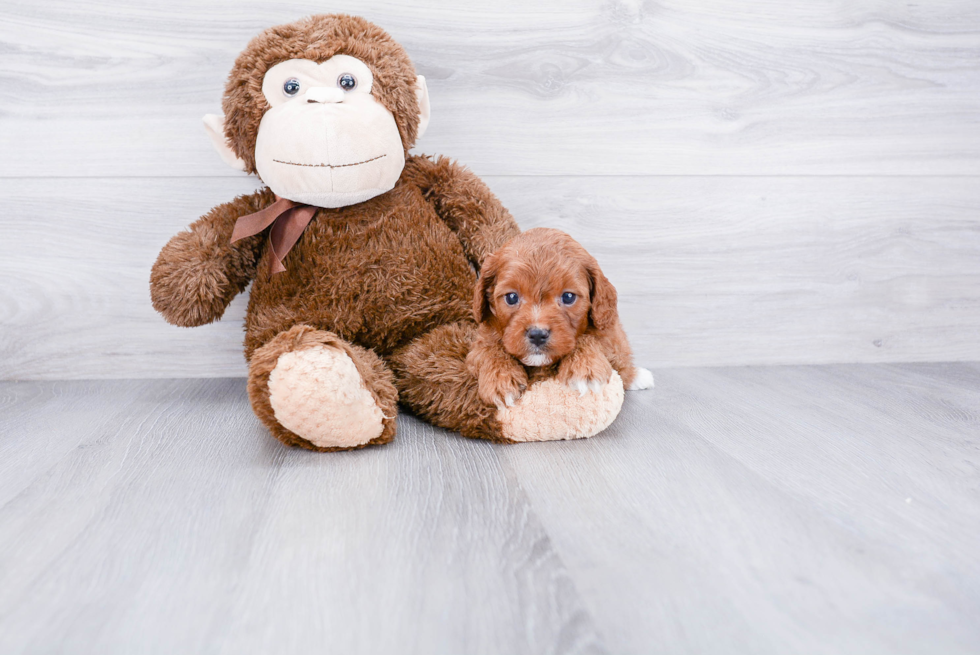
(484, 287)
(603, 312)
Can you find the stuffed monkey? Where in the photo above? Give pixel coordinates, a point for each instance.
(362, 257)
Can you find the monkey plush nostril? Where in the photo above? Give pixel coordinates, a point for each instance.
(324, 94)
(538, 336)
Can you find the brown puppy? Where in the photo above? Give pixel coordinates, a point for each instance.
(545, 308)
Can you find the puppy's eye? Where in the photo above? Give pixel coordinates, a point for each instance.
(511, 298)
(291, 87)
(568, 298)
(347, 82)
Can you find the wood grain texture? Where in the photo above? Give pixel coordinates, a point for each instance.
(818, 509)
(775, 510)
(173, 523)
(710, 270)
(113, 88)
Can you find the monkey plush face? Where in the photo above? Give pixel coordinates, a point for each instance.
(324, 110)
(326, 141)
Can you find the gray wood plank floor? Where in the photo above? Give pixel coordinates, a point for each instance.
(819, 509)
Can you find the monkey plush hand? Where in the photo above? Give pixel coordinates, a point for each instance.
(362, 258)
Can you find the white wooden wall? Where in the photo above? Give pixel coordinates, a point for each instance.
(765, 182)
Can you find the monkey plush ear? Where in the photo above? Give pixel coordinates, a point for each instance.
(422, 93)
(215, 127)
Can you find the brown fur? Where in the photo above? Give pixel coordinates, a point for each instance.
(432, 378)
(200, 275)
(586, 340)
(379, 273)
(374, 278)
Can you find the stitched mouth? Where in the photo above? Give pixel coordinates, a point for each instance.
(358, 163)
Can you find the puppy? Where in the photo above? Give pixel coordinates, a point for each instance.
(545, 308)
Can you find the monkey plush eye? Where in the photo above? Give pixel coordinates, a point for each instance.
(291, 87)
(568, 298)
(347, 82)
(511, 298)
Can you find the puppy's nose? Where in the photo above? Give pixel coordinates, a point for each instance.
(538, 336)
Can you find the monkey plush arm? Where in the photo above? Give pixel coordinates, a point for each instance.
(465, 203)
(200, 270)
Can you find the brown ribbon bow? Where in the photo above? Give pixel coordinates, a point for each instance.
(288, 220)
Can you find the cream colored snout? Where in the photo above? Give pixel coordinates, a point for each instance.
(324, 94)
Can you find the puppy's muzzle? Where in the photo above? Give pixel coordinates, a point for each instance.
(537, 336)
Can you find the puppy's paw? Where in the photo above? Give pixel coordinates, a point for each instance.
(502, 387)
(585, 371)
(642, 380)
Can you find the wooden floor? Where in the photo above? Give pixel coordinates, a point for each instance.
(823, 509)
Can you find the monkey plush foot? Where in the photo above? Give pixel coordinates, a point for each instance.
(434, 382)
(317, 391)
(550, 411)
(319, 395)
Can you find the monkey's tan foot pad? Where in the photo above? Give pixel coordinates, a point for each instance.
(318, 394)
(551, 411)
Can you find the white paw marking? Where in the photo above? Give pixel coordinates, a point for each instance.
(584, 386)
(643, 380)
(506, 401)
